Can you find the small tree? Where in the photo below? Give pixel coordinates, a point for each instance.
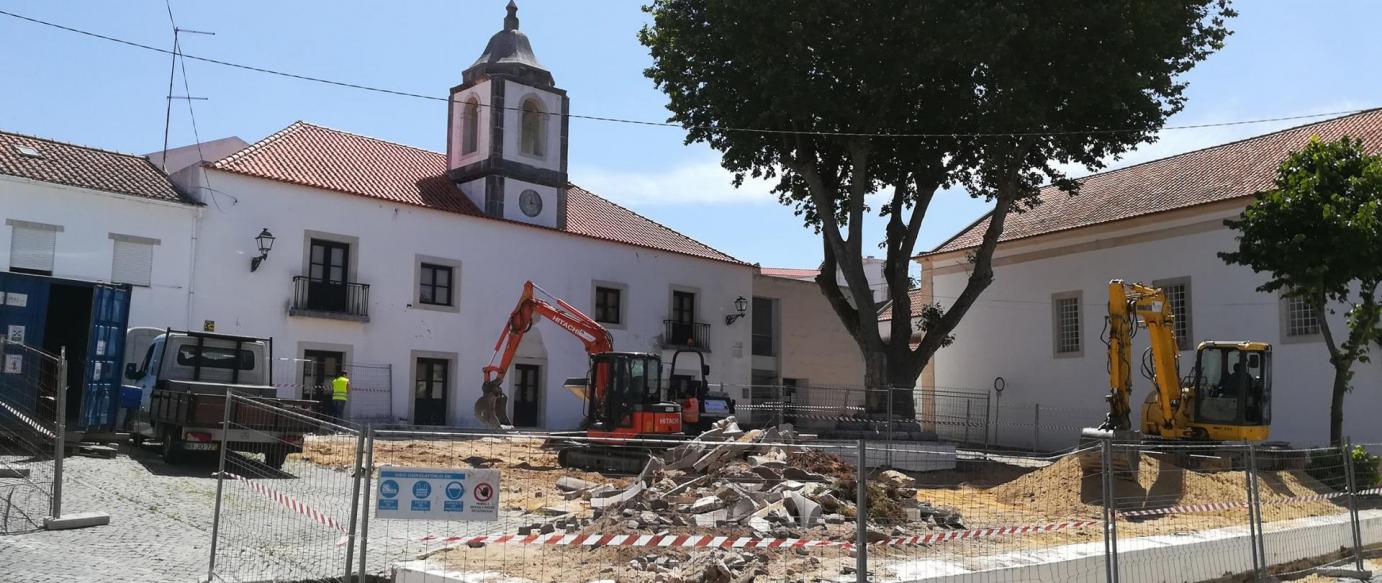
(1319, 235)
(839, 101)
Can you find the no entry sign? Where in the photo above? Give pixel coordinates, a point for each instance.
(437, 494)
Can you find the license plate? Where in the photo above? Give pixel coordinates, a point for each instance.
(199, 446)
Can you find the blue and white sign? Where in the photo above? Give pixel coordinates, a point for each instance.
(437, 494)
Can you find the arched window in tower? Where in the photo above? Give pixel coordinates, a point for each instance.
(470, 127)
(532, 138)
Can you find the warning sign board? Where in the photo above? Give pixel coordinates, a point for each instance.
(437, 494)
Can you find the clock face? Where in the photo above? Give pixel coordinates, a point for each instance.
(530, 202)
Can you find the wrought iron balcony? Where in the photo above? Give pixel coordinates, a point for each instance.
(337, 300)
(679, 334)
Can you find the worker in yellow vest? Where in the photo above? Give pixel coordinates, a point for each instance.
(340, 393)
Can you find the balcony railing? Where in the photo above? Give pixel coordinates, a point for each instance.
(329, 299)
(686, 334)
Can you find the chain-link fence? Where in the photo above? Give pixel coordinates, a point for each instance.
(774, 503)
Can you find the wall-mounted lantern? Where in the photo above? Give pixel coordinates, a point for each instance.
(741, 306)
(265, 241)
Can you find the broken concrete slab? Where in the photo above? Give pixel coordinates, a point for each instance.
(573, 484)
(807, 511)
(619, 497)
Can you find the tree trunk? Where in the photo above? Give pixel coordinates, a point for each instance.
(1336, 407)
(875, 380)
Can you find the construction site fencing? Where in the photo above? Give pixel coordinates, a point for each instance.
(31, 443)
(773, 504)
(292, 523)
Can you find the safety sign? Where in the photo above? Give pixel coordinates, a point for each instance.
(437, 494)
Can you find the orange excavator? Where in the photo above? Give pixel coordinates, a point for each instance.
(623, 392)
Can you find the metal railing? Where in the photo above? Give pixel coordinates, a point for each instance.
(677, 333)
(331, 299)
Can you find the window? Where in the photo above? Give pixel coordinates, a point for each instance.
(470, 127)
(213, 357)
(32, 246)
(1301, 318)
(531, 135)
(133, 260)
(1178, 295)
(684, 307)
(1066, 316)
(608, 305)
(434, 285)
(763, 327)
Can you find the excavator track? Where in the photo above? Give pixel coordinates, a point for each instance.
(610, 459)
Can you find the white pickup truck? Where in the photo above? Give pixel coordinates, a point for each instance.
(182, 381)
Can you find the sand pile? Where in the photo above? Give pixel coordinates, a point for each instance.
(1065, 490)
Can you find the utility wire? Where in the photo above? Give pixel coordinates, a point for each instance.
(1089, 131)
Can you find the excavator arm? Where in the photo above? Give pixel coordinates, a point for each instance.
(492, 407)
(1127, 304)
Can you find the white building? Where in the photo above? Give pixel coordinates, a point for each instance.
(385, 254)
(81, 213)
(398, 264)
(1039, 325)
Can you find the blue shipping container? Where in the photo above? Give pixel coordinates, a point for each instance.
(89, 320)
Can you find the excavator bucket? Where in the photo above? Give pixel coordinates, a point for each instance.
(492, 406)
(1124, 460)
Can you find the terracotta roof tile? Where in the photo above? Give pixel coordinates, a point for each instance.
(789, 272)
(916, 299)
(1232, 170)
(331, 159)
(84, 167)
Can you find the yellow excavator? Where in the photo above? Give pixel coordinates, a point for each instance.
(1227, 398)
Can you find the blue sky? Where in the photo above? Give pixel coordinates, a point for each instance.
(1285, 58)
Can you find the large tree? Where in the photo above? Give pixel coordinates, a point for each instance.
(1319, 235)
(876, 106)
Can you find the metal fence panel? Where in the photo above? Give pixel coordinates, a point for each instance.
(30, 490)
(292, 523)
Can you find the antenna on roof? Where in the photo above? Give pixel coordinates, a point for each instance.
(172, 70)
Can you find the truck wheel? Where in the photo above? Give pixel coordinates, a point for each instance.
(275, 456)
(172, 447)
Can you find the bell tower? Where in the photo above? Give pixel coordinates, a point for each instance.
(507, 128)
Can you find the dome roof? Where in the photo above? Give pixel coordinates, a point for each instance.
(509, 54)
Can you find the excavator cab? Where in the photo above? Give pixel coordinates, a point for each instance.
(626, 397)
(1232, 388)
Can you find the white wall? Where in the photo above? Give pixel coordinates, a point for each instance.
(84, 248)
(1008, 333)
(496, 258)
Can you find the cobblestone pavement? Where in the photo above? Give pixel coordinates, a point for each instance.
(161, 519)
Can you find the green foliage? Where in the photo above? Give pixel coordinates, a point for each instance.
(1320, 230)
(837, 101)
(1326, 468)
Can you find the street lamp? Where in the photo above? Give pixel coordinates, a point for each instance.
(741, 306)
(265, 241)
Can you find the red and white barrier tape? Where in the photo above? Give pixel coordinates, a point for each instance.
(725, 542)
(29, 421)
(291, 503)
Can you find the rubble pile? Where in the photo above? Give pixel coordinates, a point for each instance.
(733, 482)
